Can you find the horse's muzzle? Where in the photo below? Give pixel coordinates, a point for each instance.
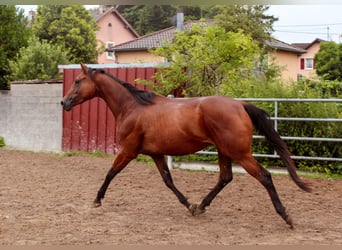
(67, 104)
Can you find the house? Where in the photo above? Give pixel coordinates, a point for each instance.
(288, 57)
(114, 30)
(137, 50)
(307, 60)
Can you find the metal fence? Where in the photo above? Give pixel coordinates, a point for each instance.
(276, 118)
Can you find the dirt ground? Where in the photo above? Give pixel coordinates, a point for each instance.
(46, 199)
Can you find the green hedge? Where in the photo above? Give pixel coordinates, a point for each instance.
(303, 89)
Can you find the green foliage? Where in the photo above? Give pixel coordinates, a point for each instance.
(13, 35)
(304, 89)
(84, 153)
(2, 142)
(71, 27)
(149, 18)
(206, 59)
(38, 61)
(329, 61)
(145, 159)
(250, 19)
(152, 14)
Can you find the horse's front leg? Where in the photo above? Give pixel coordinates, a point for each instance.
(166, 175)
(120, 163)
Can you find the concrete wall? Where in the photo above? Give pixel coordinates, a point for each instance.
(31, 117)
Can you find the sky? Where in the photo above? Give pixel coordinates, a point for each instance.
(305, 23)
(297, 23)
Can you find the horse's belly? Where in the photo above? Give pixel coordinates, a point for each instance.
(174, 146)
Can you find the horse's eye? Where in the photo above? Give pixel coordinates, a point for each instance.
(77, 81)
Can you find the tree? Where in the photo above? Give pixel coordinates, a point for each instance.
(251, 19)
(206, 60)
(71, 27)
(13, 35)
(39, 60)
(149, 18)
(328, 61)
(159, 15)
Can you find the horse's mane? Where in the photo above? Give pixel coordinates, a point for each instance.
(141, 96)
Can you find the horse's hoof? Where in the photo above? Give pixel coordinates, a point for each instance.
(289, 222)
(192, 209)
(199, 211)
(195, 210)
(97, 204)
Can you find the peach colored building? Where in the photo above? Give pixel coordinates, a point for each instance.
(286, 57)
(137, 50)
(307, 60)
(136, 56)
(114, 30)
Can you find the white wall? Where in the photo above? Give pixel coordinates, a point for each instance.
(31, 117)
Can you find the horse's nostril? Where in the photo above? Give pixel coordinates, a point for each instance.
(62, 103)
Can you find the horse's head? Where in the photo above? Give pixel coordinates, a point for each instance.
(81, 90)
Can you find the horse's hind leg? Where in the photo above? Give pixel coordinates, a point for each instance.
(166, 175)
(226, 176)
(264, 177)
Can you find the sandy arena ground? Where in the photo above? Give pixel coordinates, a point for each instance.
(46, 199)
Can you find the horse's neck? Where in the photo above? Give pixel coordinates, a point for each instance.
(116, 96)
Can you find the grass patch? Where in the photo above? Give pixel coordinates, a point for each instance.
(144, 159)
(92, 154)
(2, 142)
(316, 175)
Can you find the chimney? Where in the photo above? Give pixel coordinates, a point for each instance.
(31, 15)
(180, 19)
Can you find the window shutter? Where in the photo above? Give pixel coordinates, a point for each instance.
(302, 63)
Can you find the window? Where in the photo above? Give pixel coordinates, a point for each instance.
(110, 55)
(309, 63)
(306, 63)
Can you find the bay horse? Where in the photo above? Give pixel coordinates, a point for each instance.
(153, 125)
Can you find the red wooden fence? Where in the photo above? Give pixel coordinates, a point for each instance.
(91, 126)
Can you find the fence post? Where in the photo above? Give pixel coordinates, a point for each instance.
(276, 115)
(275, 119)
(169, 162)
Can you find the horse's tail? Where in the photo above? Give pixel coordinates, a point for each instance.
(262, 122)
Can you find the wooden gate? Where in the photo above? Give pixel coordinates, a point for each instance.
(90, 126)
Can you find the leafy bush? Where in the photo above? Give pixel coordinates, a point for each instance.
(328, 61)
(14, 34)
(203, 58)
(305, 89)
(38, 61)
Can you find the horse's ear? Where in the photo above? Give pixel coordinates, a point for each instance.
(84, 68)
